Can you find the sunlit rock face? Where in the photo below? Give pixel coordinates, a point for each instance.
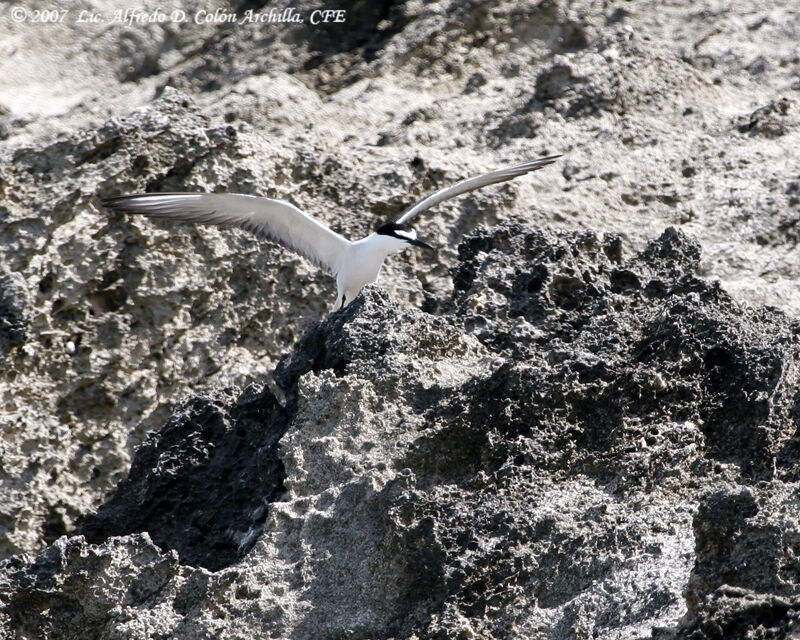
(577, 419)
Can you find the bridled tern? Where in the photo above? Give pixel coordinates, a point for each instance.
(353, 264)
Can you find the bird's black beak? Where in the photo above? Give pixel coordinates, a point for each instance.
(420, 243)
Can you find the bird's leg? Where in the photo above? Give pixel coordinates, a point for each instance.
(343, 299)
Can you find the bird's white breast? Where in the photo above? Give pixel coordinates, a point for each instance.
(362, 263)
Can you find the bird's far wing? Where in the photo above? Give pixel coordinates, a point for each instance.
(276, 220)
(470, 184)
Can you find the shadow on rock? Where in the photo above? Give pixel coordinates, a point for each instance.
(202, 484)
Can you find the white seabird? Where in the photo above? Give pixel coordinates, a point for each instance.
(353, 264)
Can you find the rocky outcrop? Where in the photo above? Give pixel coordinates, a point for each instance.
(572, 440)
(181, 490)
(568, 422)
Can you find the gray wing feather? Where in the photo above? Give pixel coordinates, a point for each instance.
(470, 184)
(276, 220)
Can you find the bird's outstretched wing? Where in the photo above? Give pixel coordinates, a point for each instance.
(470, 184)
(276, 220)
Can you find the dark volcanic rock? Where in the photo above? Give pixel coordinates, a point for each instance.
(14, 310)
(523, 463)
(202, 484)
(49, 598)
(740, 614)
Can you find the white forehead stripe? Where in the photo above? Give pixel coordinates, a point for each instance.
(410, 234)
